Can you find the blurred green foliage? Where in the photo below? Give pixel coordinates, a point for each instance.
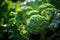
(33, 18)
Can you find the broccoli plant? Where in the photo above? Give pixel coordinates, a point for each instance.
(34, 18)
(39, 22)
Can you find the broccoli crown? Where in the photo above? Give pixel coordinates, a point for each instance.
(47, 10)
(21, 16)
(48, 13)
(35, 23)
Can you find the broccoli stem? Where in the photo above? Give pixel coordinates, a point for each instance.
(42, 34)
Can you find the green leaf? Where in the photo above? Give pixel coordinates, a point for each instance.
(18, 4)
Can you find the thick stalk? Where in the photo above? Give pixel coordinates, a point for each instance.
(42, 34)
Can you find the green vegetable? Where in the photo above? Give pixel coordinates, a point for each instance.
(22, 22)
(35, 22)
(39, 21)
(21, 16)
